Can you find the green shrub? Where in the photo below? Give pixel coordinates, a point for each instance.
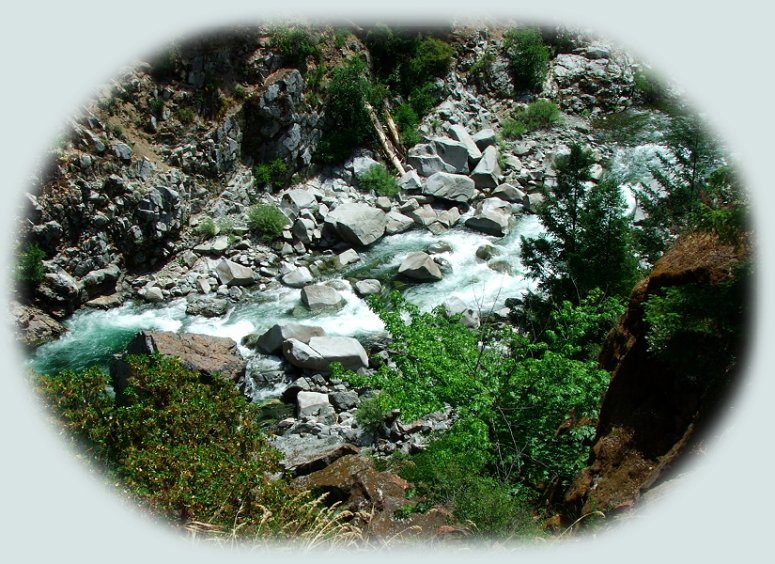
(296, 46)
(274, 172)
(432, 58)
(379, 180)
(649, 90)
(157, 106)
(371, 413)
(240, 92)
(528, 57)
(30, 269)
(186, 445)
(481, 71)
(540, 114)
(185, 115)
(406, 121)
(207, 228)
(266, 221)
(346, 93)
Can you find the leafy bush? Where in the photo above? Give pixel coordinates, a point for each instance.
(511, 398)
(371, 414)
(346, 94)
(30, 270)
(207, 228)
(432, 58)
(406, 121)
(540, 114)
(528, 57)
(266, 221)
(186, 445)
(240, 92)
(296, 46)
(379, 180)
(481, 71)
(274, 172)
(185, 115)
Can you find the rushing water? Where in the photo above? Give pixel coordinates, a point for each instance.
(95, 335)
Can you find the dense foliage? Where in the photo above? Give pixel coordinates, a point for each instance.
(540, 114)
(266, 221)
(296, 46)
(274, 172)
(681, 184)
(528, 57)
(379, 180)
(30, 270)
(185, 444)
(523, 408)
(587, 243)
(347, 93)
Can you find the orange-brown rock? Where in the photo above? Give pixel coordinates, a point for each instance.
(653, 411)
(374, 497)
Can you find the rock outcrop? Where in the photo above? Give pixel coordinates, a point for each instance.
(658, 403)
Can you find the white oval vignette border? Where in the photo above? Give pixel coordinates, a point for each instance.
(56, 56)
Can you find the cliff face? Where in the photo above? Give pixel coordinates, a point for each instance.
(659, 401)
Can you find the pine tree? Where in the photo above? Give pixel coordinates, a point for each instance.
(588, 242)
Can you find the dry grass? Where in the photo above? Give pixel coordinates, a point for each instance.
(301, 525)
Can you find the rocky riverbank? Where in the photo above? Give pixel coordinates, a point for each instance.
(146, 207)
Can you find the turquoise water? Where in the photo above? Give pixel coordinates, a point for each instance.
(94, 336)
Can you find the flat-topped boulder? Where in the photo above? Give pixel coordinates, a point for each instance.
(322, 351)
(318, 297)
(297, 278)
(271, 341)
(210, 356)
(294, 201)
(451, 187)
(233, 274)
(356, 223)
(420, 266)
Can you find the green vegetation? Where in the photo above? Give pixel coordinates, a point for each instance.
(523, 408)
(185, 115)
(266, 221)
(682, 182)
(649, 90)
(481, 71)
(240, 92)
(274, 173)
(206, 228)
(347, 92)
(540, 114)
(528, 57)
(588, 243)
(296, 45)
(29, 269)
(379, 180)
(184, 444)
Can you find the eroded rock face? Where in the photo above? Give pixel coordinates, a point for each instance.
(353, 480)
(35, 327)
(655, 409)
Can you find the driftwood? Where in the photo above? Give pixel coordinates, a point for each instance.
(395, 137)
(387, 146)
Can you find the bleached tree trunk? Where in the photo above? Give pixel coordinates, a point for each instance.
(387, 147)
